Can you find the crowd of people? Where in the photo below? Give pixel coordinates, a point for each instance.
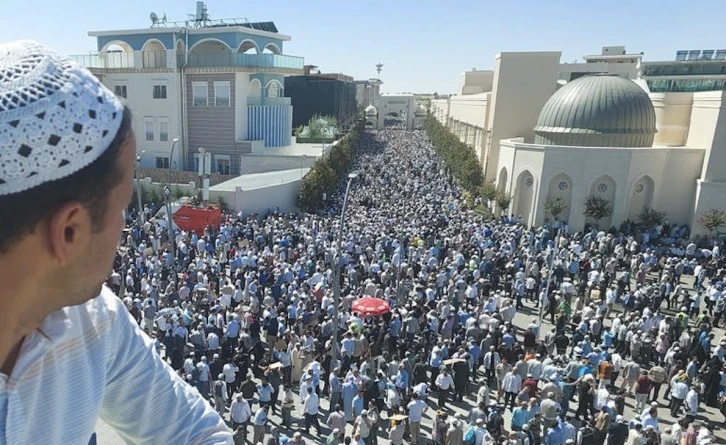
(245, 312)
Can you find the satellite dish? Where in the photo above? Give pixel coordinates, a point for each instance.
(154, 18)
(163, 18)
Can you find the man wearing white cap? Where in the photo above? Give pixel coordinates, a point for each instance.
(67, 157)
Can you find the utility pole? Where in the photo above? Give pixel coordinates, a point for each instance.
(336, 272)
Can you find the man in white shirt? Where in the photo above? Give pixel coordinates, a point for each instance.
(230, 371)
(692, 404)
(416, 410)
(444, 383)
(83, 356)
(311, 405)
(239, 413)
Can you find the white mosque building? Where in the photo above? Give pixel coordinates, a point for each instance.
(541, 137)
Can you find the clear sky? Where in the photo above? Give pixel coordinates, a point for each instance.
(423, 44)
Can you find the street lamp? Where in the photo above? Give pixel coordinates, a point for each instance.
(171, 159)
(138, 185)
(167, 195)
(336, 275)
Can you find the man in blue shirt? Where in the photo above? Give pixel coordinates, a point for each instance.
(555, 436)
(402, 378)
(520, 416)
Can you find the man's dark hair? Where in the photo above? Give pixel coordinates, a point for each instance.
(21, 212)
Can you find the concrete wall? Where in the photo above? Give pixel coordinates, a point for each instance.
(282, 197)
(673, 117)
(522, 84)
(140, 99)
(708, 130)
(709, 195)
(261, 163)
(470, 109)
(475, 81)
(674, 172)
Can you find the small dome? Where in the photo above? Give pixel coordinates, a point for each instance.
(371, 110)
(419, 111)
(597, 111)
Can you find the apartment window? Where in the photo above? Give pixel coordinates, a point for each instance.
(149, 127)
(162, 162)
(163, 131)
(120, 91)
(199, 93)
(222, 163)
(159, 91)
(222, 92)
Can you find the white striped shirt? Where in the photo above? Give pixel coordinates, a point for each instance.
(94, 361)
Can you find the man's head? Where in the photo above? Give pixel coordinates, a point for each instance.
(67, 157)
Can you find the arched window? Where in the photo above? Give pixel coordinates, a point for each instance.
(274, 89)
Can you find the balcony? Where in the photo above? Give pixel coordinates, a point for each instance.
(268, 101)
(245, 60)
(124, 60)
(160, 60)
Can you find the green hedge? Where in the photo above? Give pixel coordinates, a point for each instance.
(326, 173)
(460, 159)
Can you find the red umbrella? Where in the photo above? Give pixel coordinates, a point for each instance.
(371, 306)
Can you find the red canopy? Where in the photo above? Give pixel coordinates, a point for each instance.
(371, 306)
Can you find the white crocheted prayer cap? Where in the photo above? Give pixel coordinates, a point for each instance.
(55, 116)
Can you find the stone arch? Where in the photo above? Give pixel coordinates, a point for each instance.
(272, 48)
(180, 46)
(247, 45)
(120, 44)
(255, 88)
(210, 45)
(604, 187)
(153, 54)
(641, 195)
(273, 88)
(117, 54)
(502, 180)
(524, 194)
(561, 187)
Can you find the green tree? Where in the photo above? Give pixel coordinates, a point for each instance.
(222, 203)
(459, 158)
(712, 220)
(555, 206)
(650, 217)
(597, 208)
(488, 191)
(503, 201)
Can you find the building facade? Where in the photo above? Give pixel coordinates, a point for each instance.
(212, 84)
(325, 94)
(543, 134)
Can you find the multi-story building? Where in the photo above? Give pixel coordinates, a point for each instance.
(691, 72)
(611, 60)
(329, 94)
(216, 84)
(367, 91)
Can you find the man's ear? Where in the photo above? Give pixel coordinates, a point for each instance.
(66, 230)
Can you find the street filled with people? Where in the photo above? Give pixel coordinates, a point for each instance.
(450, 327)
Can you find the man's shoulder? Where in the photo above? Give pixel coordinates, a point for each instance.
(97, 314)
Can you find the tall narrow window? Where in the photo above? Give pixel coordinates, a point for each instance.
(222, 92)
(163, 131)
(199, 93)
(149, 130)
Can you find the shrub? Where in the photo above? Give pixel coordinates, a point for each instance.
(460, 159)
